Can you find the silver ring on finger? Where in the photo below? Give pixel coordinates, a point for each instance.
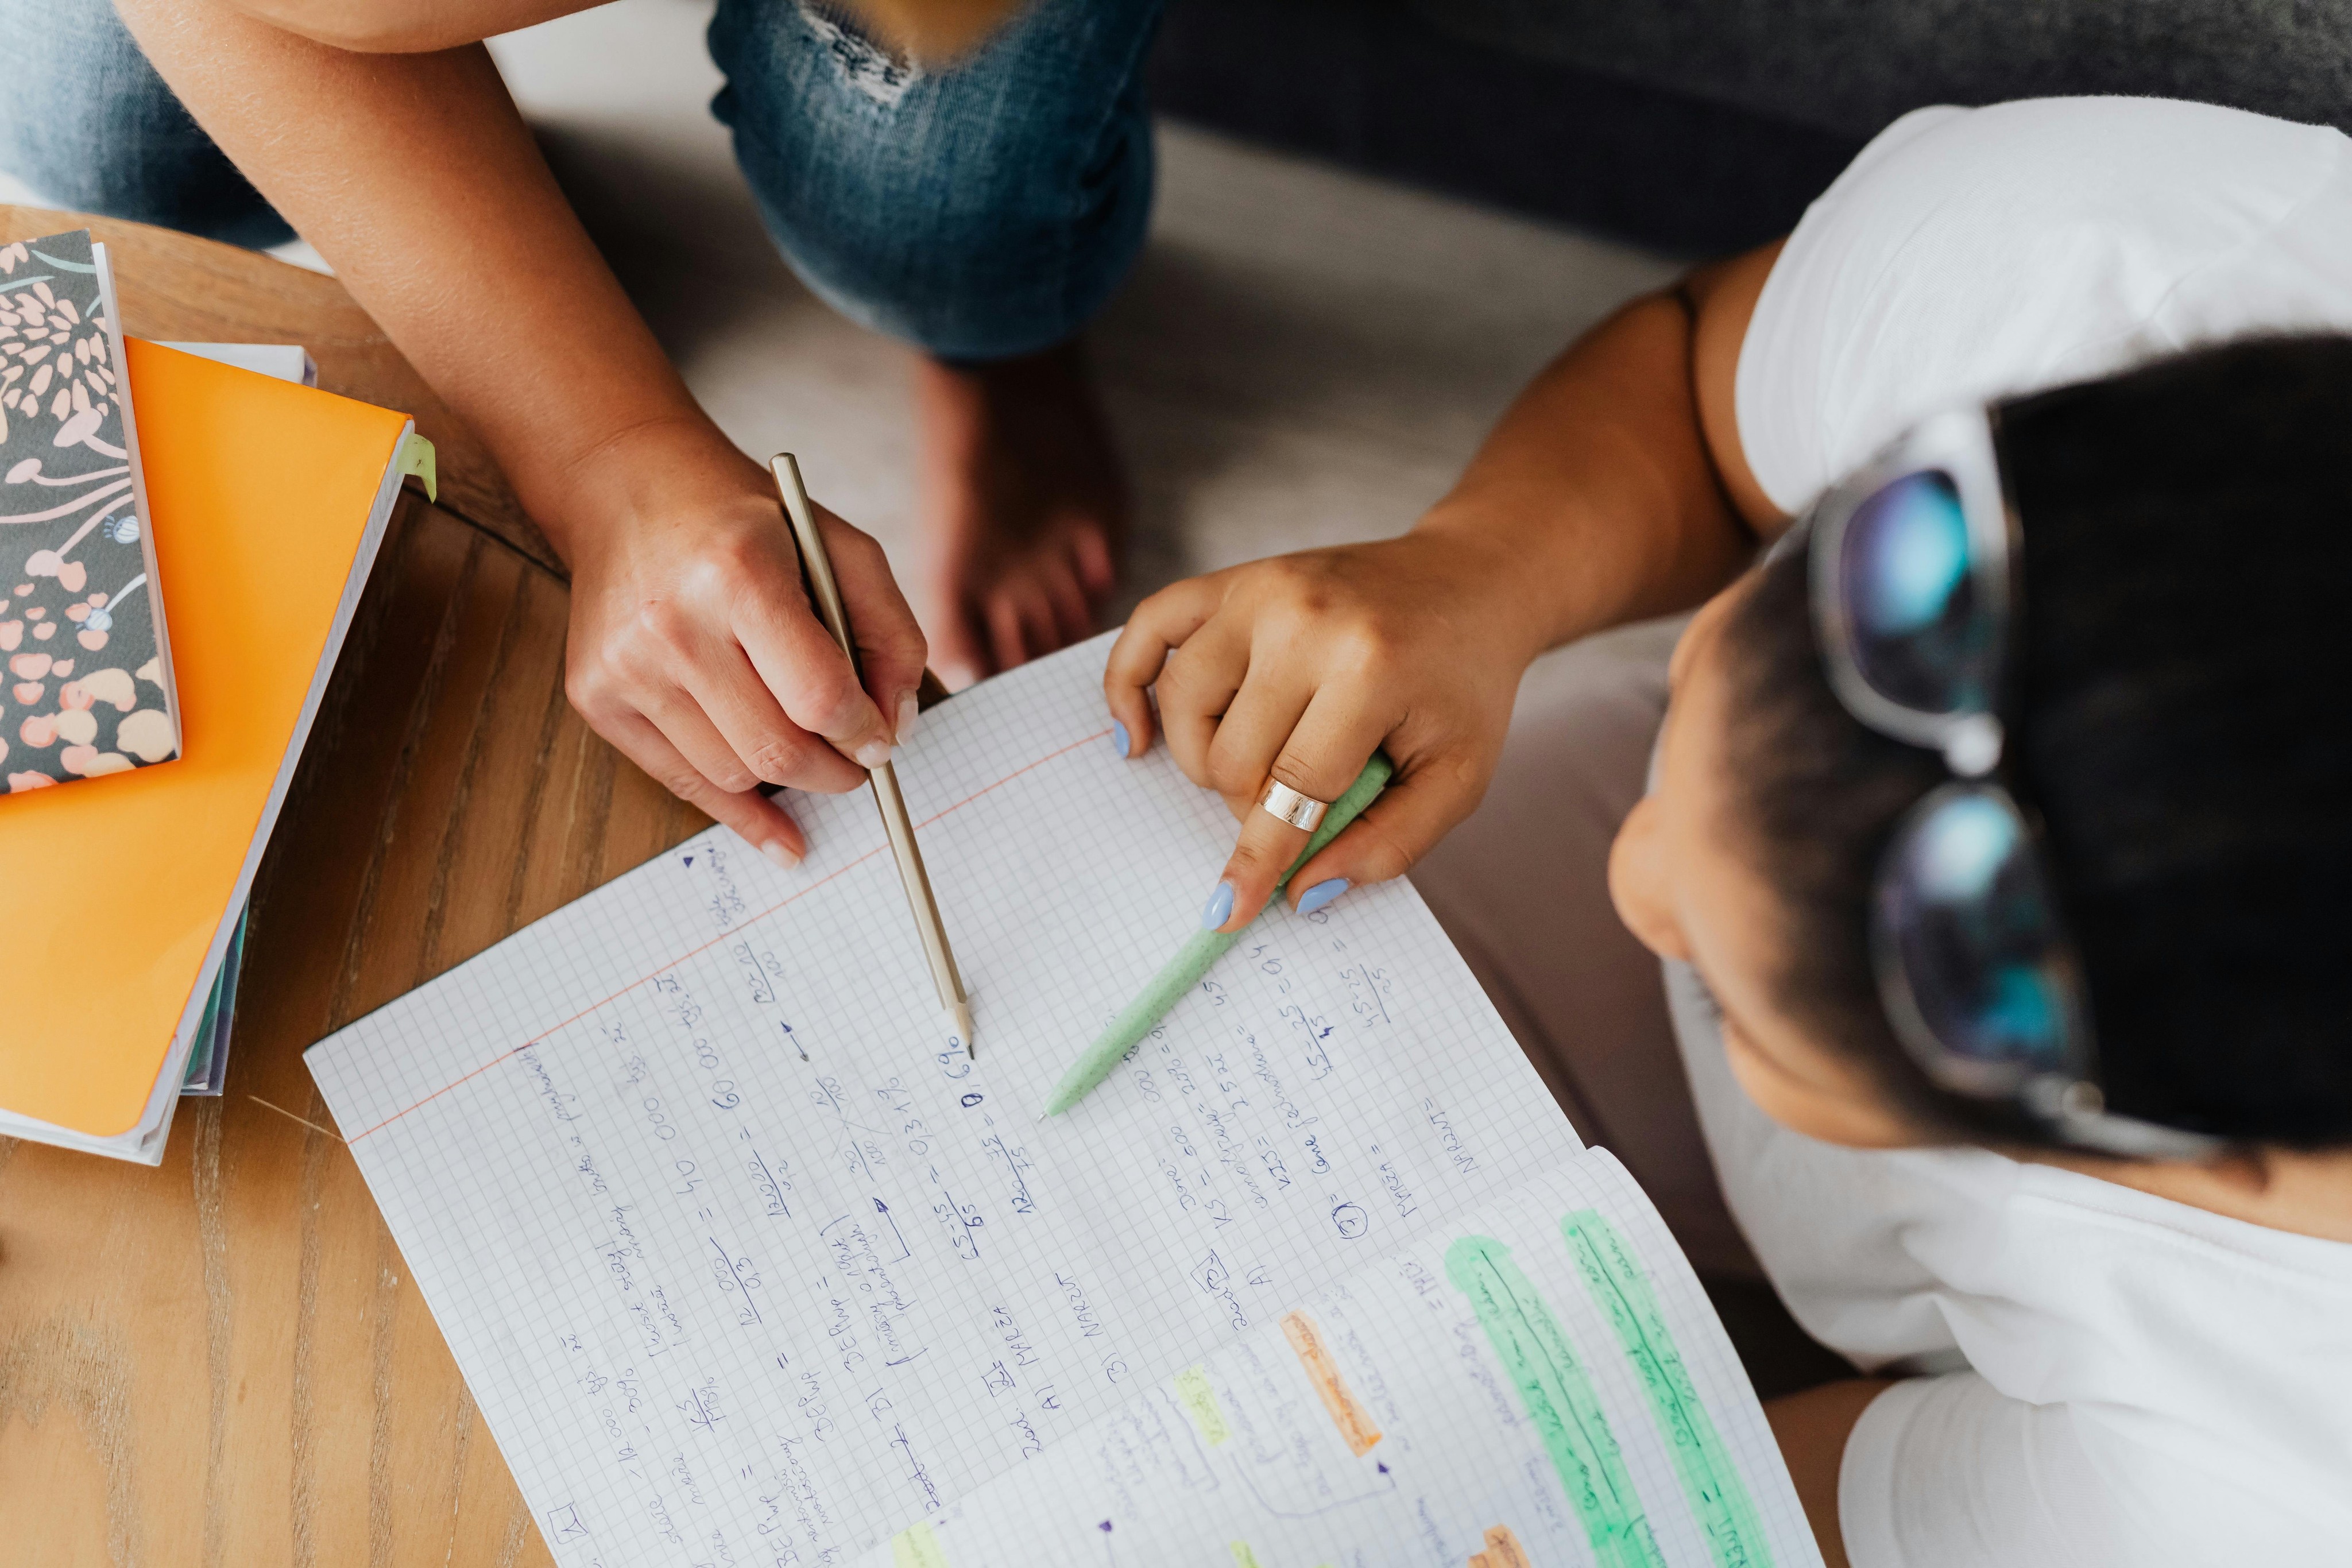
(1302, 811)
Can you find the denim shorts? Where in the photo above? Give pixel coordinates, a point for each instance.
(978, 210)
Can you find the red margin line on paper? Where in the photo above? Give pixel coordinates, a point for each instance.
(647, 978)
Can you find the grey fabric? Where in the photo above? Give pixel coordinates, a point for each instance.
(1852, 66)
(1374, 84)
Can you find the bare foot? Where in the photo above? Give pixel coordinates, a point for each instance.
(1022, 510)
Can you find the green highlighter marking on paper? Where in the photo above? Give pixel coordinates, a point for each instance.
(1204, 948)
(1734, 1536)
(1559, 1398)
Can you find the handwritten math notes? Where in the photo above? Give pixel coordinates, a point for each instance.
(746, 1262)
(1538, 1381)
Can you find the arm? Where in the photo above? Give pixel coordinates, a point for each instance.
(1614, 488)
(1811, 1428)
(403, 26)
(1616, 481)
(928, 29)
(692, 647)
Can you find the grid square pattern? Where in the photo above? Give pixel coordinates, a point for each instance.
(709, 1293)
(1270, 1476)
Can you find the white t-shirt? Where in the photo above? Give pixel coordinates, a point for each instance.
(2111, 1377)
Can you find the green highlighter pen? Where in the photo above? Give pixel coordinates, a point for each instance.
(1184, 970)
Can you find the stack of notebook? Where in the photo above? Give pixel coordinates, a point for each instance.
(183, 542)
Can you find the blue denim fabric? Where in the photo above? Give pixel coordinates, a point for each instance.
(86, 122)
(979, 211)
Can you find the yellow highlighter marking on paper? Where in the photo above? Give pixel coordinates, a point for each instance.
(1355, 1423)
(1242, 1556)
(1199, 1402)
(917, 1546)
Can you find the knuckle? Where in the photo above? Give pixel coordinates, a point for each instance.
(1189, 759)
(1129, 672)
(1160, 602)
(777, 759)
(1178, 600)
(1364, 649)
(1177, 705)
(837, 702)
(1290, 771)
(1472, 796)
(1293, 576)
(1305, 588)
(1199, 676)
(728, 560)
(732, 777)
(904, 644)
(1458, 776)
(1230, 775)
(661, 627)
(1251, 861)
(589, 688)
(1384, 857)
(854, 543)
(1178, 674)
(685, 783)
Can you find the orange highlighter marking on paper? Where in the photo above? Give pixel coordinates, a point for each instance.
(1354, 1422)
(1503, 1550)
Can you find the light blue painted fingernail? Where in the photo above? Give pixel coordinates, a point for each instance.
(1119, 737)
(1220, 907)
(1321, 893)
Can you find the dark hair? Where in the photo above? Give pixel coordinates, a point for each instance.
(2180, 717)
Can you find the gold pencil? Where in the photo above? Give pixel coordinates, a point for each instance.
(827, 594)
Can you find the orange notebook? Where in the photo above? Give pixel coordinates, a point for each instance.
(267, 502)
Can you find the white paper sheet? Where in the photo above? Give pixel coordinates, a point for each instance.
(721, 1304)
(1542, 1382)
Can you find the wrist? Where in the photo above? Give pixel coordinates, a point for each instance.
(1505, 585)
(666, 465)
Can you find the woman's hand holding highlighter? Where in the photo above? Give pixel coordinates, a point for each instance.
(1295, 669)
(1614, 488)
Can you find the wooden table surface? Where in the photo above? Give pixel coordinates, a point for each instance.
(223, 1361)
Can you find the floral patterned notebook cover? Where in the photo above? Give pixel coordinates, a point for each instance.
(88, 685)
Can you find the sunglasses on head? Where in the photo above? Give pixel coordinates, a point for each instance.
(1914, 566)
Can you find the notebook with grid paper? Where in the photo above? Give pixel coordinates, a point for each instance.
(745, 1263)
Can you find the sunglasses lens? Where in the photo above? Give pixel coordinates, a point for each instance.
(1970, 925)
(1922, 636)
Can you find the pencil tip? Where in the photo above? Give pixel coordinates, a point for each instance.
(960, 1013)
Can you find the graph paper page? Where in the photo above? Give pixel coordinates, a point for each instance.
(722, 1304)
(1541, 1382)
